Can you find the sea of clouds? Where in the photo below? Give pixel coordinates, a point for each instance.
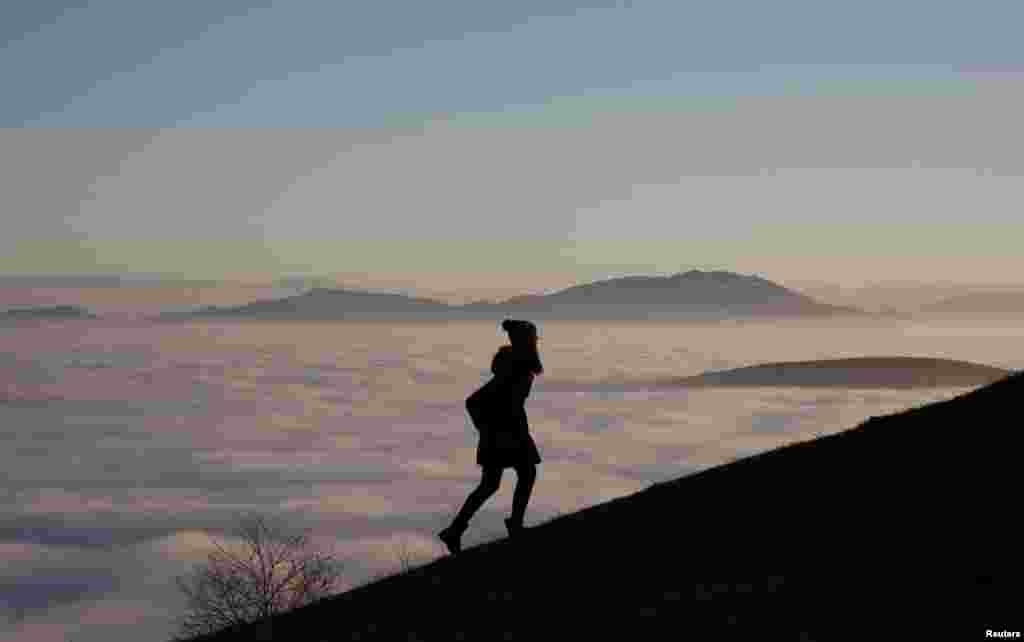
(127, 444)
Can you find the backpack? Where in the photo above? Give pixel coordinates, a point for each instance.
(481, 403)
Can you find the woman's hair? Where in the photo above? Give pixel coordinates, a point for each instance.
(518, 327)
(532, 357)
(520, 333)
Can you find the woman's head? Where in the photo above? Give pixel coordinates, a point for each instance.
(520, 331)
(523, 336)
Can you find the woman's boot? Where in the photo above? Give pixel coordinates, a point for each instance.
(452, 537)
(514, 527)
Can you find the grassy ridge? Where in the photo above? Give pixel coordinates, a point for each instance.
(901, 528)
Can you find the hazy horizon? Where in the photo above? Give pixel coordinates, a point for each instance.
(151, 291)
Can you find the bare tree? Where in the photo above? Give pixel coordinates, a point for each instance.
(272, 570)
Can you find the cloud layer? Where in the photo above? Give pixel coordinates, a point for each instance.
(118, 474)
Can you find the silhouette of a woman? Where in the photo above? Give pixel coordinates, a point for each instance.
(505, 440)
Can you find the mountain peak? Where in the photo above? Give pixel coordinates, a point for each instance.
(719, 275)
(723, 274)
(687, 296)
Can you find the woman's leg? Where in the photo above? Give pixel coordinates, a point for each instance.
(490, 480)
(526, 474)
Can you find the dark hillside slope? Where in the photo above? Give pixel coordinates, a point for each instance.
(901, 528)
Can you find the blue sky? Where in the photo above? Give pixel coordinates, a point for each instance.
(124, 63)
(711, 125)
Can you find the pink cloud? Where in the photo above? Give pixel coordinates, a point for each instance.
(92, 621)
(118, 612)
(61, 501)
(41, 632)
(14, 551)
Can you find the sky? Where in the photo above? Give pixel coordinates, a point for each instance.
(499, 146)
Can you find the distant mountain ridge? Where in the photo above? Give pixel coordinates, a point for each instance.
(46, 312)
(693, 295)
(857, 372)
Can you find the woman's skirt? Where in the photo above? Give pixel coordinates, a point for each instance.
(506, 449)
